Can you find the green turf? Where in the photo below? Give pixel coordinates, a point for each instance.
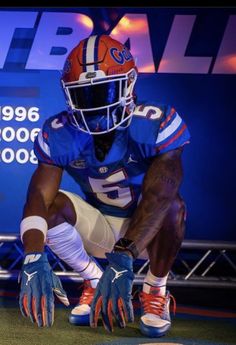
(16, 330)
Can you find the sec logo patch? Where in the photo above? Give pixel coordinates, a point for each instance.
(103, 170)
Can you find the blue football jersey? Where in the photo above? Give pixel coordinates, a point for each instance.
(114, 185)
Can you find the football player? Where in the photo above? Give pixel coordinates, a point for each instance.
(126, 159)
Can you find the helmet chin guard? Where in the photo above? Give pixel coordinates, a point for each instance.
(98, 81)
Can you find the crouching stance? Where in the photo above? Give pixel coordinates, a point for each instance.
(126, 159)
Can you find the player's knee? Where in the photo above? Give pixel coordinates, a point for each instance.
(61, 210)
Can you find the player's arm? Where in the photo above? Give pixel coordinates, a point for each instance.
(42, 191)
(160, 186)
(38, 281)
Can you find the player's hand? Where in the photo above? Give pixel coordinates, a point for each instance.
(37, 284)
(113, 293)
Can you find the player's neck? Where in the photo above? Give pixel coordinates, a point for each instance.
(103, 144)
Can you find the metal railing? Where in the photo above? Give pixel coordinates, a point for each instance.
(198, 264)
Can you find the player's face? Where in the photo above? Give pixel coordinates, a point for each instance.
(95, 96)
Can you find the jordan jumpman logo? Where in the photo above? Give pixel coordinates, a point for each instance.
(117, 274)
(29, 276)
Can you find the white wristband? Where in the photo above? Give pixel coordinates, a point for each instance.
(33, 222)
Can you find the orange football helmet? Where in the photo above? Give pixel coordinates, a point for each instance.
(98, 80)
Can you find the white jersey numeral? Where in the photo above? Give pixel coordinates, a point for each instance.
(148, 111)
(56, 123)
(102, 187)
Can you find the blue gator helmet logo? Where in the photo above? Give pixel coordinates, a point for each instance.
(120, 56)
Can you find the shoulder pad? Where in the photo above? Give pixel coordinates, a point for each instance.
(146, 122)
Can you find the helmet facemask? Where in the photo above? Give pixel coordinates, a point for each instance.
(99, 103)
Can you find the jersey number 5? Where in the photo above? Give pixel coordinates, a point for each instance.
(110, 191)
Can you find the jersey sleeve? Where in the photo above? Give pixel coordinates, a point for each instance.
(173, 132)
(42, 148)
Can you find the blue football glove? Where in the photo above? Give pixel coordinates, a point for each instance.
(113, 293)
(37, 284)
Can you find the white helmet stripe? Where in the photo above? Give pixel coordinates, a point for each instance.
(90, 53)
